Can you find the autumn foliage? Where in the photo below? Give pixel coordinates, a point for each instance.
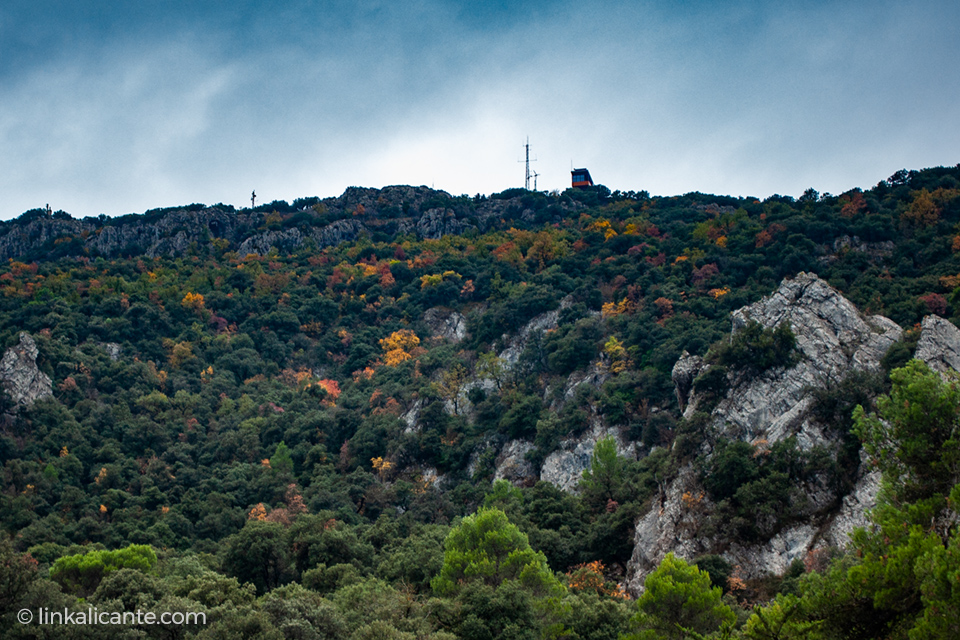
(398, 345)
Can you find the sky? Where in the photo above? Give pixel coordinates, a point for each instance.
(117, 107)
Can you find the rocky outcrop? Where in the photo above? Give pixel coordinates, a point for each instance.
(170, 233)
(411, 417)
(287, 240)
(843, 244)
(113, 349)
(446, 324)
(832, 339)
(336, 233)
(436, 223)
(512, 464)
(939, 344)
(542, 323)
(391, 211)
(684, 372)
(594, 375)
(21, 378)
(564, 467)
(261, 243)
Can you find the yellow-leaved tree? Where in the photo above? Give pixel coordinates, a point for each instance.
(398, 345)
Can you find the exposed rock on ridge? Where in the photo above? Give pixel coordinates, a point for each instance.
(291, 239)
(833, 339)
(395, 210)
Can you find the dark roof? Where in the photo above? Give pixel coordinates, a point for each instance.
(582, 173)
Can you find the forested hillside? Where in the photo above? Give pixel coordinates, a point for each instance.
(335, 418)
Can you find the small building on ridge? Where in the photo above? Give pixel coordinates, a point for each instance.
(581, 178)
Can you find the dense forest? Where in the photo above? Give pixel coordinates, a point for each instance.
(292, 442)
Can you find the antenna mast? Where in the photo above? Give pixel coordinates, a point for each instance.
(526, 184)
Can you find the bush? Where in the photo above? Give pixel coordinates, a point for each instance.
(755, 349)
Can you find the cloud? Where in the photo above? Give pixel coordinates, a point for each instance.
(138, 109)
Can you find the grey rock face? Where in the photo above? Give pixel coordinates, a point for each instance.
(540, 324)
(447, 324)
(843, 244)
(436, 223)
(833, 339)
(412, 416)
(113, 350)
(672, 524)
(564, 467)
(21, 378)
(261, 243)
(594, 375)
(939, 344)
(336, 233)
(288, 240)
(512, 464)
(173, 233)
(853, 510)
(685, 371)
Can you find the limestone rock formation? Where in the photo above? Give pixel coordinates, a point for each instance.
(261, 243)
(20, 376)
(288, 240)
(336, 232)
(425, 212)
(832, 339)
(540, 324)
(843, 244)
(594, 375)
(939, 344)
(684, 372)
(113, 349)
(512, 464)
(564, 467)
(436, 223)
(446, 323)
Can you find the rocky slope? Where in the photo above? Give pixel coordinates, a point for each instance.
(833, 339)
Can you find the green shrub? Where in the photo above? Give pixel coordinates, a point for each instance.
(81, 574)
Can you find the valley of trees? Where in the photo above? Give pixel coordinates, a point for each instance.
(285, 443)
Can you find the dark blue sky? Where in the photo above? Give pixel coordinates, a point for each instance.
(117, 107)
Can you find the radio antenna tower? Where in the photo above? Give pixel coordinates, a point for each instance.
(526, 184)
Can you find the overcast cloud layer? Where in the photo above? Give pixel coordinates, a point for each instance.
(114, 107)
